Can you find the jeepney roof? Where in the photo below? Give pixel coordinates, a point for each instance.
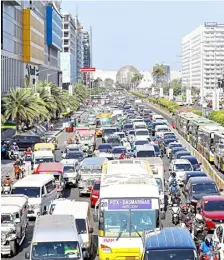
(188, 115)
(126, 185)
(128, 162)
(12, 203)
(43, 153)
(202, 121)
(48, 227)
(169, 238)
(157, 161)
(211, 128)
(93, 161)
(34, 180)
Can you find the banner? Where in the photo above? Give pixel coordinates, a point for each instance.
(129, 203)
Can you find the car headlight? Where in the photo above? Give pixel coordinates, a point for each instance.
(106, 249)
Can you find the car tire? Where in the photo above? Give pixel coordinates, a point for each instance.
(13, 247)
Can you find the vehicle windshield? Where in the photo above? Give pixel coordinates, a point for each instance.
(141, 142)
(43, 160)
(104, 147)
(140, 126)
(86, 138)
(205, 188)
(175, 145)
(216, 205)
(129, 126)
(141, 154)
(6, 219)
(162, 129)
(81, 226)
(96, 186)
(72, 149)
(179, 155)
(119, 150)
(183, 167)
(31, 192)
(73, 155)
(91, 171)
(142, 133)
(69, 168)
(174, 254)
(114, 141)
(126, 222)
(132, 132)
(109, 131)
(56, 250)
(121, 135)
(169, 136)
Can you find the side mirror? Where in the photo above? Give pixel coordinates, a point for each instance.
(162, 215)
(95, 217)
(90, 230)
(17, 221)
(221, 190)
(27, 255)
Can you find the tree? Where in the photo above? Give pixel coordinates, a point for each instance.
(159, 72)
(177, 88)
(98, 82)
(108, 83)
(21, 104)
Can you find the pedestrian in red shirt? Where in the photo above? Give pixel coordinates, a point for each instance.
(173, 125)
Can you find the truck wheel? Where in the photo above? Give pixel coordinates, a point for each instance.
(80, 194)
(13, 247)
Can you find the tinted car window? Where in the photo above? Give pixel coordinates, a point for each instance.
(204, 188)
(118, 150)
(141, 142)
(141, 154)
(216, 205)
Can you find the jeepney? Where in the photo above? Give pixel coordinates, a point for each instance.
(219, 150)
(13, 223)
(44, 147)
(90, 170)
(87, 140)
(103, 120)
(56, 169)
(206, 140)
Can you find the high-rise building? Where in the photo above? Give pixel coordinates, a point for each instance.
(79, 50)
(68, 55)
(28, 54)
(86, 56)
(203, 57)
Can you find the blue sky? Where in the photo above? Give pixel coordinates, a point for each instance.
(141, 33)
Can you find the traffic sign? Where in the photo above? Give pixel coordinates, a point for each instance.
(88, 69)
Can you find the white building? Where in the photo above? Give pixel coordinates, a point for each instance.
(203, 57)
(175, 75)
(68, 55)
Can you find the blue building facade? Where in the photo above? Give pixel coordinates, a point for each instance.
(53, 28)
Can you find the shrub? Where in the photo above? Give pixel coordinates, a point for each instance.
(217, 116)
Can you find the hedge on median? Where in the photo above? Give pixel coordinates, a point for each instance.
(217, 116)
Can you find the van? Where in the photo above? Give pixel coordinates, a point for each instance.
(160, 129)
(80, 210)
(169, 243)
(144, 151)
(55, 237)
(139, 125)
(40, 189)
(42, 157)
(157, 117)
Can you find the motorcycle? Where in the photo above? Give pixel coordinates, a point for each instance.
(198, 231)
(187, 223)
(14, 155)
(175, 211)
(212, 255)
(6, 188)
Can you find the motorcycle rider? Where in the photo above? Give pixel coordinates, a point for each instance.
(28, 151)
(14, 148)
(206, 247)
(173, 189)
(172, 178)
(7, 180)
(17, 168)
(186, 216)
(122, 156)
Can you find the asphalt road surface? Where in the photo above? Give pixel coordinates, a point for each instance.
(73, 194)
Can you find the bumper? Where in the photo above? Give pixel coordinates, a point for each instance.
(121, 254)
(5, 250)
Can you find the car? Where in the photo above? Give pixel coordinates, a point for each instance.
(198, 187)
(169, 135)
(144, 151)
(211, 207)
(131, 135)
(104, 147)
(192, 174)
(165, 143)
(117, 151)
(170, 146)
(154, 124)
(107, 132)
(127, 127)
(95, 193)
(121, 135)
(180, 166)
(175, 150)
(141, 134)
(72, 156)
(179, 154)
(26, 141)
(193, 160)
(114, 140)
(218, 239)
(70, 148)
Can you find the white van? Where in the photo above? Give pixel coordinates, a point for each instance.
(42, 157)
(80, 210)
(142, 134)
(139, 125)
(160, 129)
(40, 190)
(157, 117)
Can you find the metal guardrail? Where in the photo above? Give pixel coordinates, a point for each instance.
(205, 164)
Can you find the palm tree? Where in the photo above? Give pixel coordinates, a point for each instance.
(136, 79)
(81, 92)
(21, 104)
(159, 72)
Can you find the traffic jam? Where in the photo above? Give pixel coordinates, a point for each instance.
(118, 183)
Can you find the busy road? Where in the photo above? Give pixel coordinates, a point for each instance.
(162, 124)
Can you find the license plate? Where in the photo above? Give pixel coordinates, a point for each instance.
(130, 257)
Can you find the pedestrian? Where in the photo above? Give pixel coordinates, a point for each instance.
(51, 126)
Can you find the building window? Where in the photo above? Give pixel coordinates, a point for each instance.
(65, 34)
(66, 26)
(65, 42)
(66, 49)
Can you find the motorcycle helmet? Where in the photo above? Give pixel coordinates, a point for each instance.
(174, 183)
(199, 219)
(14, 143)
(185, 210)
(173, 174)
(208, 240)
(188, 203)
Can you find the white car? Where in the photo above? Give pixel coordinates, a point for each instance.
(180, 166)
(218, 239)
(121, 135)
(109, 156)
(169, 148)
(142, 134)
(160, 129)
(131, 135)
(70, 173)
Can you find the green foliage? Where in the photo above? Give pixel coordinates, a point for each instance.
(217, 116)
(137, 77)
(137, 94)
